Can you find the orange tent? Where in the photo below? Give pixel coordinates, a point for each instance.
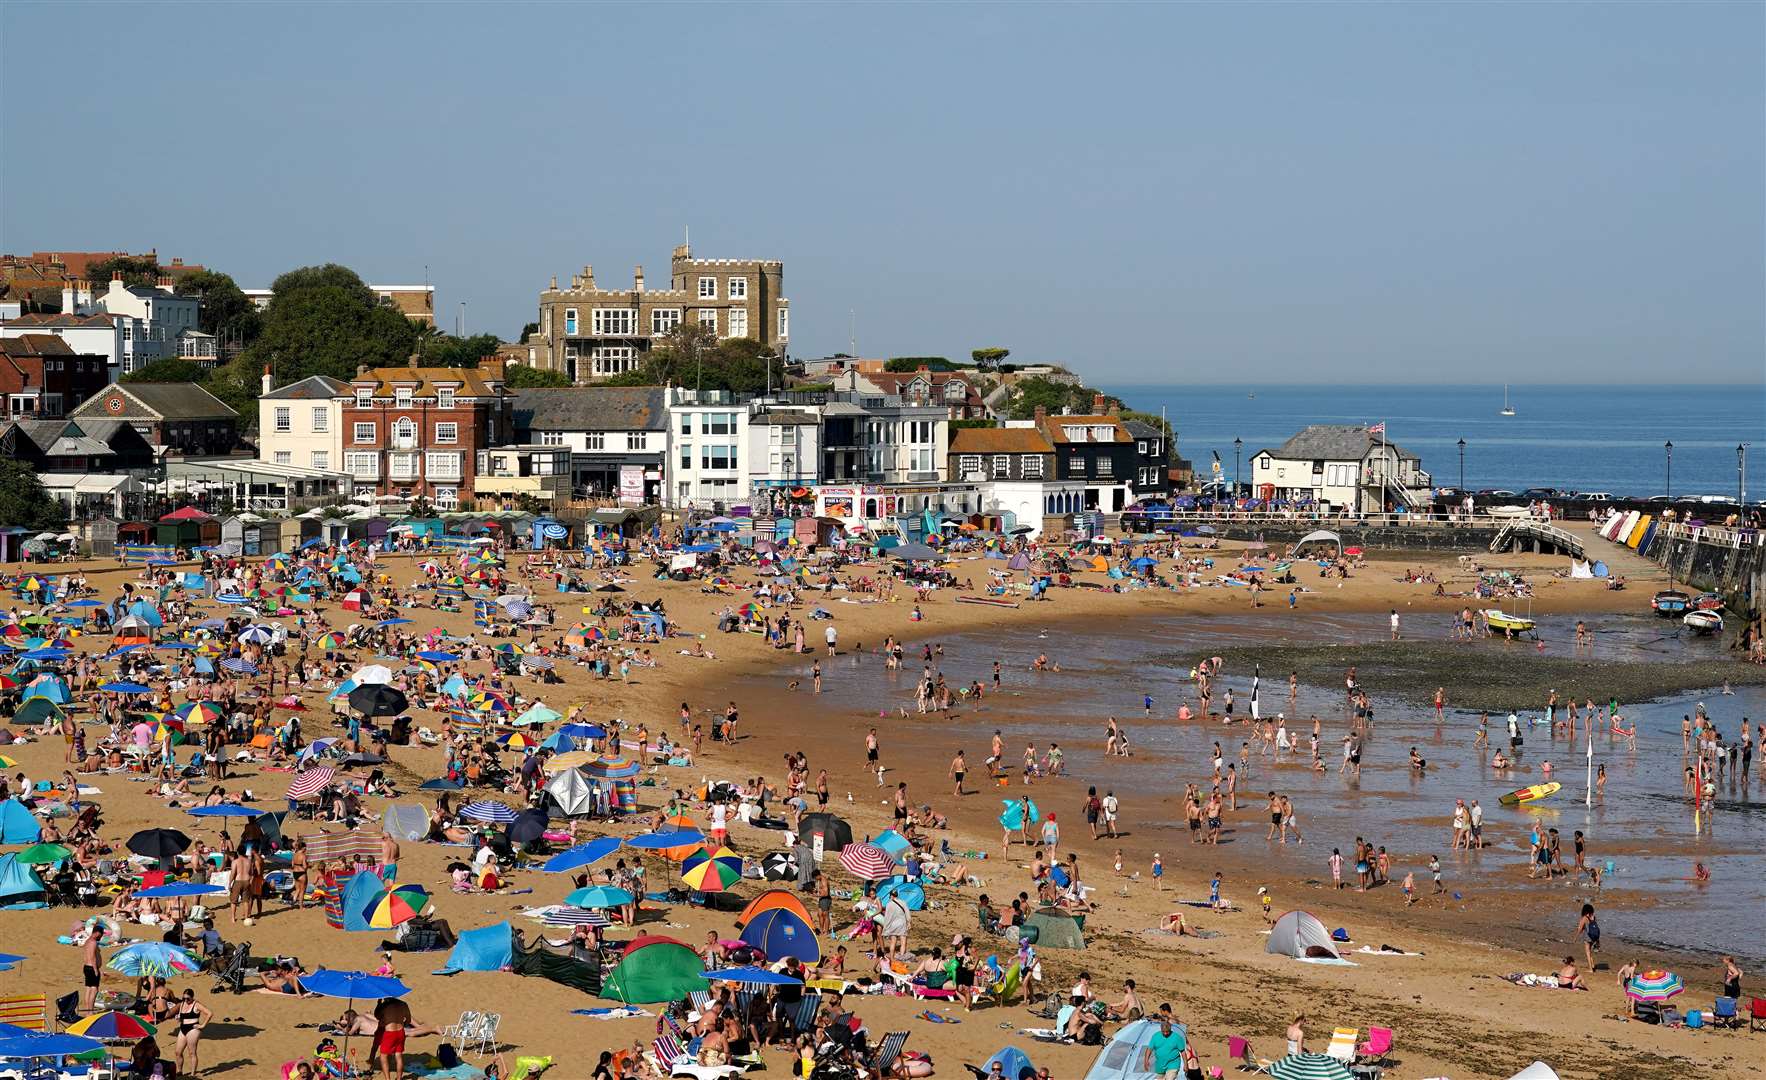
(771, 900)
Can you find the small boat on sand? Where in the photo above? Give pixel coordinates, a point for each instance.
(1503, 622)
(1702, 622)
(1708, 601)
(1531, 793)
(1670, 602)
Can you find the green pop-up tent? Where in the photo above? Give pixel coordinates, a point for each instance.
(655, 969)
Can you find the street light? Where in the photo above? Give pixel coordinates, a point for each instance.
(1238, 445)
(1668, 448)
(1741, 475)
(1462, 467)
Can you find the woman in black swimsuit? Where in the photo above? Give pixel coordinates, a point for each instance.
(193, 1016)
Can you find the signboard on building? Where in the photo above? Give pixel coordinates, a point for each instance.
(631, 485)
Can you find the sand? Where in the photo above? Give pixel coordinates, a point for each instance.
(1452, 1016)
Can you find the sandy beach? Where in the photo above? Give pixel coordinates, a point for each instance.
(1451, 1012)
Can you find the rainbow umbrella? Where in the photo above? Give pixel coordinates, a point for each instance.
(711, 871)
(333, 640)
(113, 1026)
(509, 648)
(515, 740)
(399, 904)
(749, 611)
(199, 712)
(484, 702)
(1654, 986)
(7, 763)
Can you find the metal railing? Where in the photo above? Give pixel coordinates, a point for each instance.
(1318, 518)
(1718, 535)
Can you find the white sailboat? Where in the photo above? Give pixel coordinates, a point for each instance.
(1507, 409)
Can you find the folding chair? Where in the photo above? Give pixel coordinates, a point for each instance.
(1377, 1046)
(1343, 1042)
(883, 1058)
(672, 1059)
(457, 1032)
(485, 1037)
(1723, 1013)
(803, 1015)
(1239, 1050)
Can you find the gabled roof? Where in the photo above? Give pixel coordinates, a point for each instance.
(1052, 426)
(592, 408)
(311, 388)
(162, 401)
(423, 381)
(1331, 442)
(35, 345)
(62, 321)
(999, 440)
(1140, 429)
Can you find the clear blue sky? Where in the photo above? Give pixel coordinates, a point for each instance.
(1426, 193)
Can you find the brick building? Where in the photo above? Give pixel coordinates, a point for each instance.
(410, 431)
(42, 377)
(591, 333)
(179, 418)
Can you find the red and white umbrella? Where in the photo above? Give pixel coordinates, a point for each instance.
(310, 782)
(867, 861)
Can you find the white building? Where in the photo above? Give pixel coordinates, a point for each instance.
(302, 423)
(784, 448)
(618, 436)
(1341, 468)
(90, 335)
(129, 326)
(708, 432)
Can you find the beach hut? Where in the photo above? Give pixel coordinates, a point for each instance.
(136, 533)
(655, 969)
(1126, 1056)
(780, 932)
(1299, 934)
(489, 948)
(17, 824)
(188, 527)
(20, 887)
(233, 533)
(100, 536)
(375, 531)
(1055, 929)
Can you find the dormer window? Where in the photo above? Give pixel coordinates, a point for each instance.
(444, 397)
(402, 397)
(1074, 432)
(364, 397)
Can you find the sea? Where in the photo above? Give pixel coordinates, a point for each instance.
(1575, 438)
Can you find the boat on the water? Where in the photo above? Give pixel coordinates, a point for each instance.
(1503, 622)
(1670, 602)
(1702, 622)
(1707, 601)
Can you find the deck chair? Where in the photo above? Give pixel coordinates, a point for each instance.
(672, 1059)
(1342, 1048)
(699, 999)
(1724, 1014)
(1377, 1046)
(803, 1014)
(457, 1032)
(888, 1050)
(1756, 1013)
(1239, 1050)
(25, 1011)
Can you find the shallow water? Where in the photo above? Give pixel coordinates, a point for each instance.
(1643, 824)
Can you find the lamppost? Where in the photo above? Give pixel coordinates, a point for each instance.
(1741, 476)
(1238, 445)
(1668, 448)
(1462, 468)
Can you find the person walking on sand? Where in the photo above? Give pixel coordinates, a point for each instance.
(957, 768)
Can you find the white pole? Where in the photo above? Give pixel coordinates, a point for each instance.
(1588, 799)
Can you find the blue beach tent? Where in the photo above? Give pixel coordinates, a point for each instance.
(20, 887)
(489, 948)
(358, 894)
(780, 932)
(17, 824)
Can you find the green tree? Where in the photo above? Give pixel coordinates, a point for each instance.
(523, 377)
(324, 321)
(1053, 397)
(446, 350)
(236, 383)
(23, 499)
(915, 363)
(139, 272)
(528, 328)
(693, 356)
(989, 357)
(226, 311)
(169, 370)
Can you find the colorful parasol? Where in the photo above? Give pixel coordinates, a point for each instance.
(399, 904)
(711, 871)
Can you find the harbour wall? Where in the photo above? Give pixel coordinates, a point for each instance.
(1729, 562)
(1442, 536)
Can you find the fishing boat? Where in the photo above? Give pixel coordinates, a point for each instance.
(1670, 602)
(1507, 409)
(1531, 793)
(1702, 622)
(1510, 511)
(1502, 622)
(1707, 601)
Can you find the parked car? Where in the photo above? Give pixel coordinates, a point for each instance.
(1594, 496)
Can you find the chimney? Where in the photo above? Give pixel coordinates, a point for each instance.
(588, 276)
(116, 275)
(554, 286)
(1041, 415)
(638, 278)
(165, 284)
(361, 370)
(177, 262)
(493, 369)
(1097, 404)
(69, 294)
(267, 384)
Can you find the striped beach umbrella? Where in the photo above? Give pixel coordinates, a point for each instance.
(7, 763)
(399, 904)
(153, 958)
(1654, 986)
(867, 861)
(565, 915)
(333, 640)
(309, 782)
(515, 740)
(569, 760)
(711, 871)
(113, 1027)
(199, 712)
(1310, 1067)
(257, 634)
(487, 810)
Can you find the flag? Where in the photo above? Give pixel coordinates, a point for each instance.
(1377, 429)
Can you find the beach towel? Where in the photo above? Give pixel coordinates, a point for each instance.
(1385, 950)
(620, 1013)
(1328, 961)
